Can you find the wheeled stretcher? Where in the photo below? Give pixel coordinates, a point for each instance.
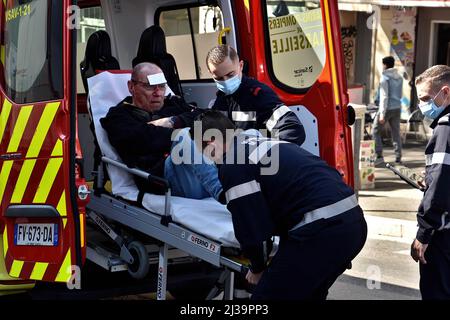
(199, 228)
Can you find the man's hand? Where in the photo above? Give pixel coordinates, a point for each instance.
(422, 182)
(163, 122)
(418, 251)
(381, 119)
(253, 278)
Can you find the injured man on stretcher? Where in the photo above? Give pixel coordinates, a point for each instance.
(142, 128)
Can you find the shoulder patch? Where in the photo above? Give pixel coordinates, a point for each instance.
(255, 90)
(445, 119)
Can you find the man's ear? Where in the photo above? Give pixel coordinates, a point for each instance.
(130, 87)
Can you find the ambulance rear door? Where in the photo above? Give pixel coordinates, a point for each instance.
(40, 220)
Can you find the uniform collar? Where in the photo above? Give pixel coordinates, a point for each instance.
(436, 121)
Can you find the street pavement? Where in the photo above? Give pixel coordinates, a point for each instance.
(384, 269)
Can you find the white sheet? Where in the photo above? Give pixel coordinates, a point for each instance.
(206, 217)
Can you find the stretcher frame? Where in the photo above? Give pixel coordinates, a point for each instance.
(159, 227)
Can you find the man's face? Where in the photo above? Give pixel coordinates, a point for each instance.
(146, 96)
(226, 70)
(425, 92)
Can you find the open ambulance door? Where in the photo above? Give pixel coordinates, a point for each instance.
(295, 47)
(41, 212)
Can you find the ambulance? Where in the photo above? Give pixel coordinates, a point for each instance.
(46, 145)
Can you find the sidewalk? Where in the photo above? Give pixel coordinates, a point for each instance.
(390, 211)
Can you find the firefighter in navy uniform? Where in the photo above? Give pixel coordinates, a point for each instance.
(273, 188)
(432, 244)
(249, 103)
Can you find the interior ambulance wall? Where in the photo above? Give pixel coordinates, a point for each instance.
(425, 16)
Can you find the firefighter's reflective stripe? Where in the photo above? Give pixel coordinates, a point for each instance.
(4, 116)
(242, 190)
(22, 181)
(16, 268)
(328, 211)
(42, 129)
(261, 151)
(39, 270)
(276, 115)
(243, 116)
(65, 272)
(4, 176)
(437, 158)
(19, 128)
(47, 180)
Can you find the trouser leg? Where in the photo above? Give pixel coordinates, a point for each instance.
(306, 268)
(376, 133)
(435, 275)
(393, 117)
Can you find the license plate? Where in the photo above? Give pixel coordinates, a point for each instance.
(36, 234)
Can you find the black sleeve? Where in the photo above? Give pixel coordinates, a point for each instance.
(432, 214)
(251, 217)
(285, 125)
(186, 113)
(140, 138)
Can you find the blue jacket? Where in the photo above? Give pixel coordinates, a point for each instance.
(256, 106)
(434, 210)
(391, 86)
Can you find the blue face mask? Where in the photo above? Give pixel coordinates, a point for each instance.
(229, 86)
(430, 109)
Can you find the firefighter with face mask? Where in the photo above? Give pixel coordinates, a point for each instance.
(432, 244)
(247, 102)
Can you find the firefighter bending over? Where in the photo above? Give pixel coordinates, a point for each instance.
(274, 187)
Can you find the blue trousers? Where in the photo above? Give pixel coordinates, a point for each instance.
(189, 172)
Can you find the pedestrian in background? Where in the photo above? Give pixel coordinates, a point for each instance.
(390, 94)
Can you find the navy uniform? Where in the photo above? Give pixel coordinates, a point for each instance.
(256, 106)
(276, 188)
(433, 214)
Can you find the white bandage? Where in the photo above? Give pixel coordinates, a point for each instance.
(157, 78)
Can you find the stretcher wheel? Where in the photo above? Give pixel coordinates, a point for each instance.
(139, 268)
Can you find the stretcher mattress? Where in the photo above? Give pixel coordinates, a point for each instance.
(206, 217)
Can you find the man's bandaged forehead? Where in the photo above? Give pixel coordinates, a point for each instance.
(157, 78)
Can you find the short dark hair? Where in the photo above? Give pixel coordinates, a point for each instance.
(439, 75)
(219, 53)
(389, 61)
(213, 119)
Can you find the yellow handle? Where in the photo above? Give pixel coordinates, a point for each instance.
(222, 32)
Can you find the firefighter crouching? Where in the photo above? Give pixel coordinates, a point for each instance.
(273, 188)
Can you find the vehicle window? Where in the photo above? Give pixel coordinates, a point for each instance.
(91, 20)
(33, 65)
(297, 43)
(203, 24)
